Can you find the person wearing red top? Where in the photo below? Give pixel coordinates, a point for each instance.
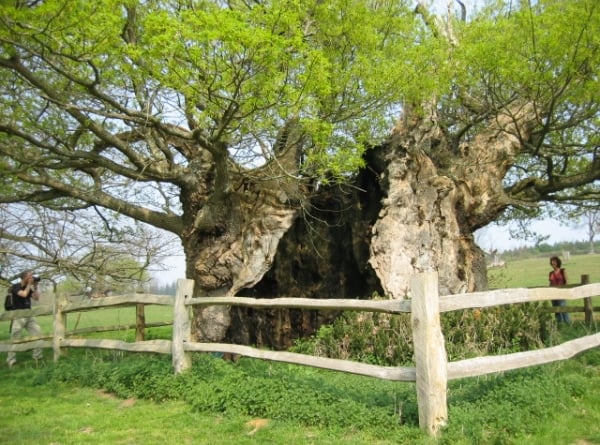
(557, 278)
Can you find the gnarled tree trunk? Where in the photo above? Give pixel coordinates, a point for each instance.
(413, 208)
(438, 192)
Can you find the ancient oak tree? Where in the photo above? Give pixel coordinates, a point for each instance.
(311, 148)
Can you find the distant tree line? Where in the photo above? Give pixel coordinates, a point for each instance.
(545, 249)
(163, 288)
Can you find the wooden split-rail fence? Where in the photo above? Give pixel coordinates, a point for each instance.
(431, 372)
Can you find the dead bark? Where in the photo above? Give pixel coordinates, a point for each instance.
(437, 193)
(323, 255)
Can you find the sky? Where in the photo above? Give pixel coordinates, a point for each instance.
(495, 237)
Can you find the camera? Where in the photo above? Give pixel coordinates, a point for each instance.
(36, 279)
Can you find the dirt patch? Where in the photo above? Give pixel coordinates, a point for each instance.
(128, 403)
(256, 424)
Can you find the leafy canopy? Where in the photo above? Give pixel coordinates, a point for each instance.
(221, 74)
(132, 110)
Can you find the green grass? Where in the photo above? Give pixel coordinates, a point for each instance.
(533, 272)
(105, 397)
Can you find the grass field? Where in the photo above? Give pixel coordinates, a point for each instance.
(104, 397)
(533, 272)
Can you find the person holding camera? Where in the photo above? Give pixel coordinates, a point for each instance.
(22, 294)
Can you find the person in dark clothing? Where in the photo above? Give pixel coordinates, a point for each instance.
(23, 292)
(557, 278)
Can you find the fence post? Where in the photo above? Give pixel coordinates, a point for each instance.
(182, 325)
(588, 308)
(430, 352)
(60, 325)
(140, 322)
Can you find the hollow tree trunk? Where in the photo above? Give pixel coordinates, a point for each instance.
(237, 251)
(413, 208)
(324, 255)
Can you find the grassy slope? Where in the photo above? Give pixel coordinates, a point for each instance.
(556, 403)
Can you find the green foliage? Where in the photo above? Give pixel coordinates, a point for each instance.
(238, 72)
(271, 391)
(385, 339)
(535, 405)
(250, 388)
(496, 330)
(132, 377)
(380, 339)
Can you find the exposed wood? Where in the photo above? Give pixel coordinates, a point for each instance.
(404, 374)
(182, 330)
(587, 302)
(391, 306)
(588, 309)
(122, 327)
(140, 322)
(511, 296)
(430, 353)
(60, 326)
(25, 345)
(159, 346)
(28, 339)
(588, 290)
(487, 365)
(118, 300)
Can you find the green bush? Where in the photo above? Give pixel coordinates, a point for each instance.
(386, 339)
(380, 339)
(497, 330)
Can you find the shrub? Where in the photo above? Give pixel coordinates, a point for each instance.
(496, 330)
(373, 338)
(386, 339)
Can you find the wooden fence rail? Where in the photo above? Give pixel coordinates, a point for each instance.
(431, 371)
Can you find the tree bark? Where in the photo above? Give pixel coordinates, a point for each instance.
(236, 230)
(413, 208)
(437, 192)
